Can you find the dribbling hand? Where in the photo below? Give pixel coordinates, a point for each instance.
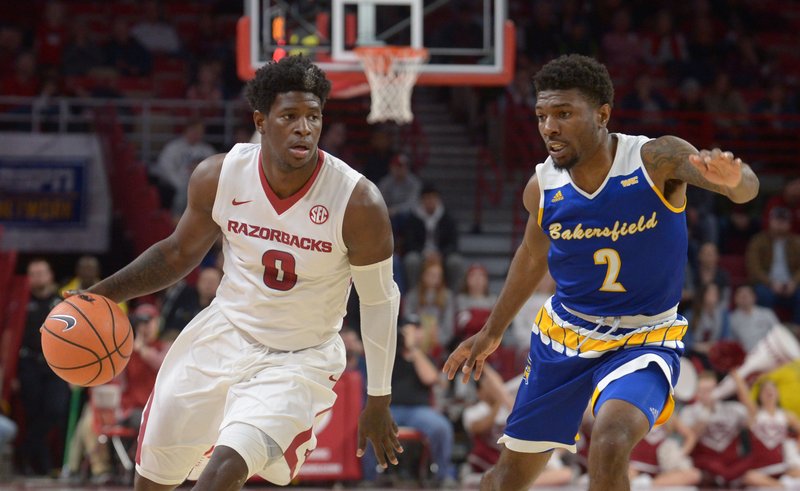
(472, 353)
(718, 167)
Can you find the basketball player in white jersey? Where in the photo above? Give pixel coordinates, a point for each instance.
(245, 381)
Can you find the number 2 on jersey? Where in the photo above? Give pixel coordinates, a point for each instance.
(279, 270)
(611, 258)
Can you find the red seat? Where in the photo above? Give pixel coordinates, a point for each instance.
(136, 86)
(170, 88)
(106, 417)
(168, 64)
(409, 434)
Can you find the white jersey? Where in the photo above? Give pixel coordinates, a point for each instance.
(771, 429)
(287, 275)
(723, 422)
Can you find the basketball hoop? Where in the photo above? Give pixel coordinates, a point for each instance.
(391, 72)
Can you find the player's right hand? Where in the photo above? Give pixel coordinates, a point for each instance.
(69, 293)
(377, 425)
(472, 354)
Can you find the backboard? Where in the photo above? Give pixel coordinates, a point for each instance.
(470, 42)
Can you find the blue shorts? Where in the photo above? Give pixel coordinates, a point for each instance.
(561, 379)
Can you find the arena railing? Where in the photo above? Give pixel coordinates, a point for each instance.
(147, 123)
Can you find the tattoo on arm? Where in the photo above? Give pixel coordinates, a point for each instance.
(668, 156)
(148, 273)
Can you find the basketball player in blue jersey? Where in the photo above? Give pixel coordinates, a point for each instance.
(607, 218)
(246, 382)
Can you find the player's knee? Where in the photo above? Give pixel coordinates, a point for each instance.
(226, 466)
(514, 471)
(254, 447)
(615, 438)
(498, 478)
(141, 483)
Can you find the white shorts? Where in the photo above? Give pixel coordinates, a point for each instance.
(215, 375)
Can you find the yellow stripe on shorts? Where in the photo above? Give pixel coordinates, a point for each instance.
(567, 337)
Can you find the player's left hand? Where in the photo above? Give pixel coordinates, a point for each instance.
(377, 425)
(718, 167)
(471, 355)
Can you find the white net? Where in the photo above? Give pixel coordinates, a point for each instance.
(391, 73)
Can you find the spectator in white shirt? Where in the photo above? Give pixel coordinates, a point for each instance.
(748, 322)
(400, 189)
(177, 161)
(718, 425)
(155, 34)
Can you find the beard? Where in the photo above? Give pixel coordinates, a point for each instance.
(566, 164)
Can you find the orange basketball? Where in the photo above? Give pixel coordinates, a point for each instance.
(87, 339)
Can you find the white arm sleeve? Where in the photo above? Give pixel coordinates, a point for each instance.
(380, 302)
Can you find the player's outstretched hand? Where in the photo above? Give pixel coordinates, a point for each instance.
(472, 353)
(376, 425)
(718, 167)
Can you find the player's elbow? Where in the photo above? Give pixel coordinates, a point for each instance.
(741, 198)
(746, 191)
(177, 256)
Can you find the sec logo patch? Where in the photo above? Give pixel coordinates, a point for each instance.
(318, 214)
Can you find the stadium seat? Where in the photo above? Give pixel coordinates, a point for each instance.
(107, 415)
(408, 434)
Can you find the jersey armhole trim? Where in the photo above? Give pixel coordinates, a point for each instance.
(343, 217)
(215, 208)
(540, 213)
(667, 203)
(660, 195)
(655, 189)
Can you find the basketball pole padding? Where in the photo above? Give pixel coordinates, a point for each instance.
(72, 422)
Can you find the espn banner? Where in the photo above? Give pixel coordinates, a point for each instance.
(53, 194)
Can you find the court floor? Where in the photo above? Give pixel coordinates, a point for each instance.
(55, 485)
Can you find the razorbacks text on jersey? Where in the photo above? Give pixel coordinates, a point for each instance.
(287, 275)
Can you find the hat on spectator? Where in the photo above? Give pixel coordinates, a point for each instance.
(144, 312)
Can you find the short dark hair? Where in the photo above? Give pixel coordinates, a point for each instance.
(290, 73)
(428, 188)
(583, 73)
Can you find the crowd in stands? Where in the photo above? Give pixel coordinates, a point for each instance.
(723, 60)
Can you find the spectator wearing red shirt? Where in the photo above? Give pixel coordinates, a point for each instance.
(474, 303)
(10, 47)
(51, 35)
(148, 354)
(24, 81)
(665, 48)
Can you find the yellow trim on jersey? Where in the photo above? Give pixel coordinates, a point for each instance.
(666, 412)
(570, 339)
(539, 217)
(667, 203)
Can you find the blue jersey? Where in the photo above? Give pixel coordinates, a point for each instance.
(619, 251)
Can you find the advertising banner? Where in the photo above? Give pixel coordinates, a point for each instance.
(53, 194)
